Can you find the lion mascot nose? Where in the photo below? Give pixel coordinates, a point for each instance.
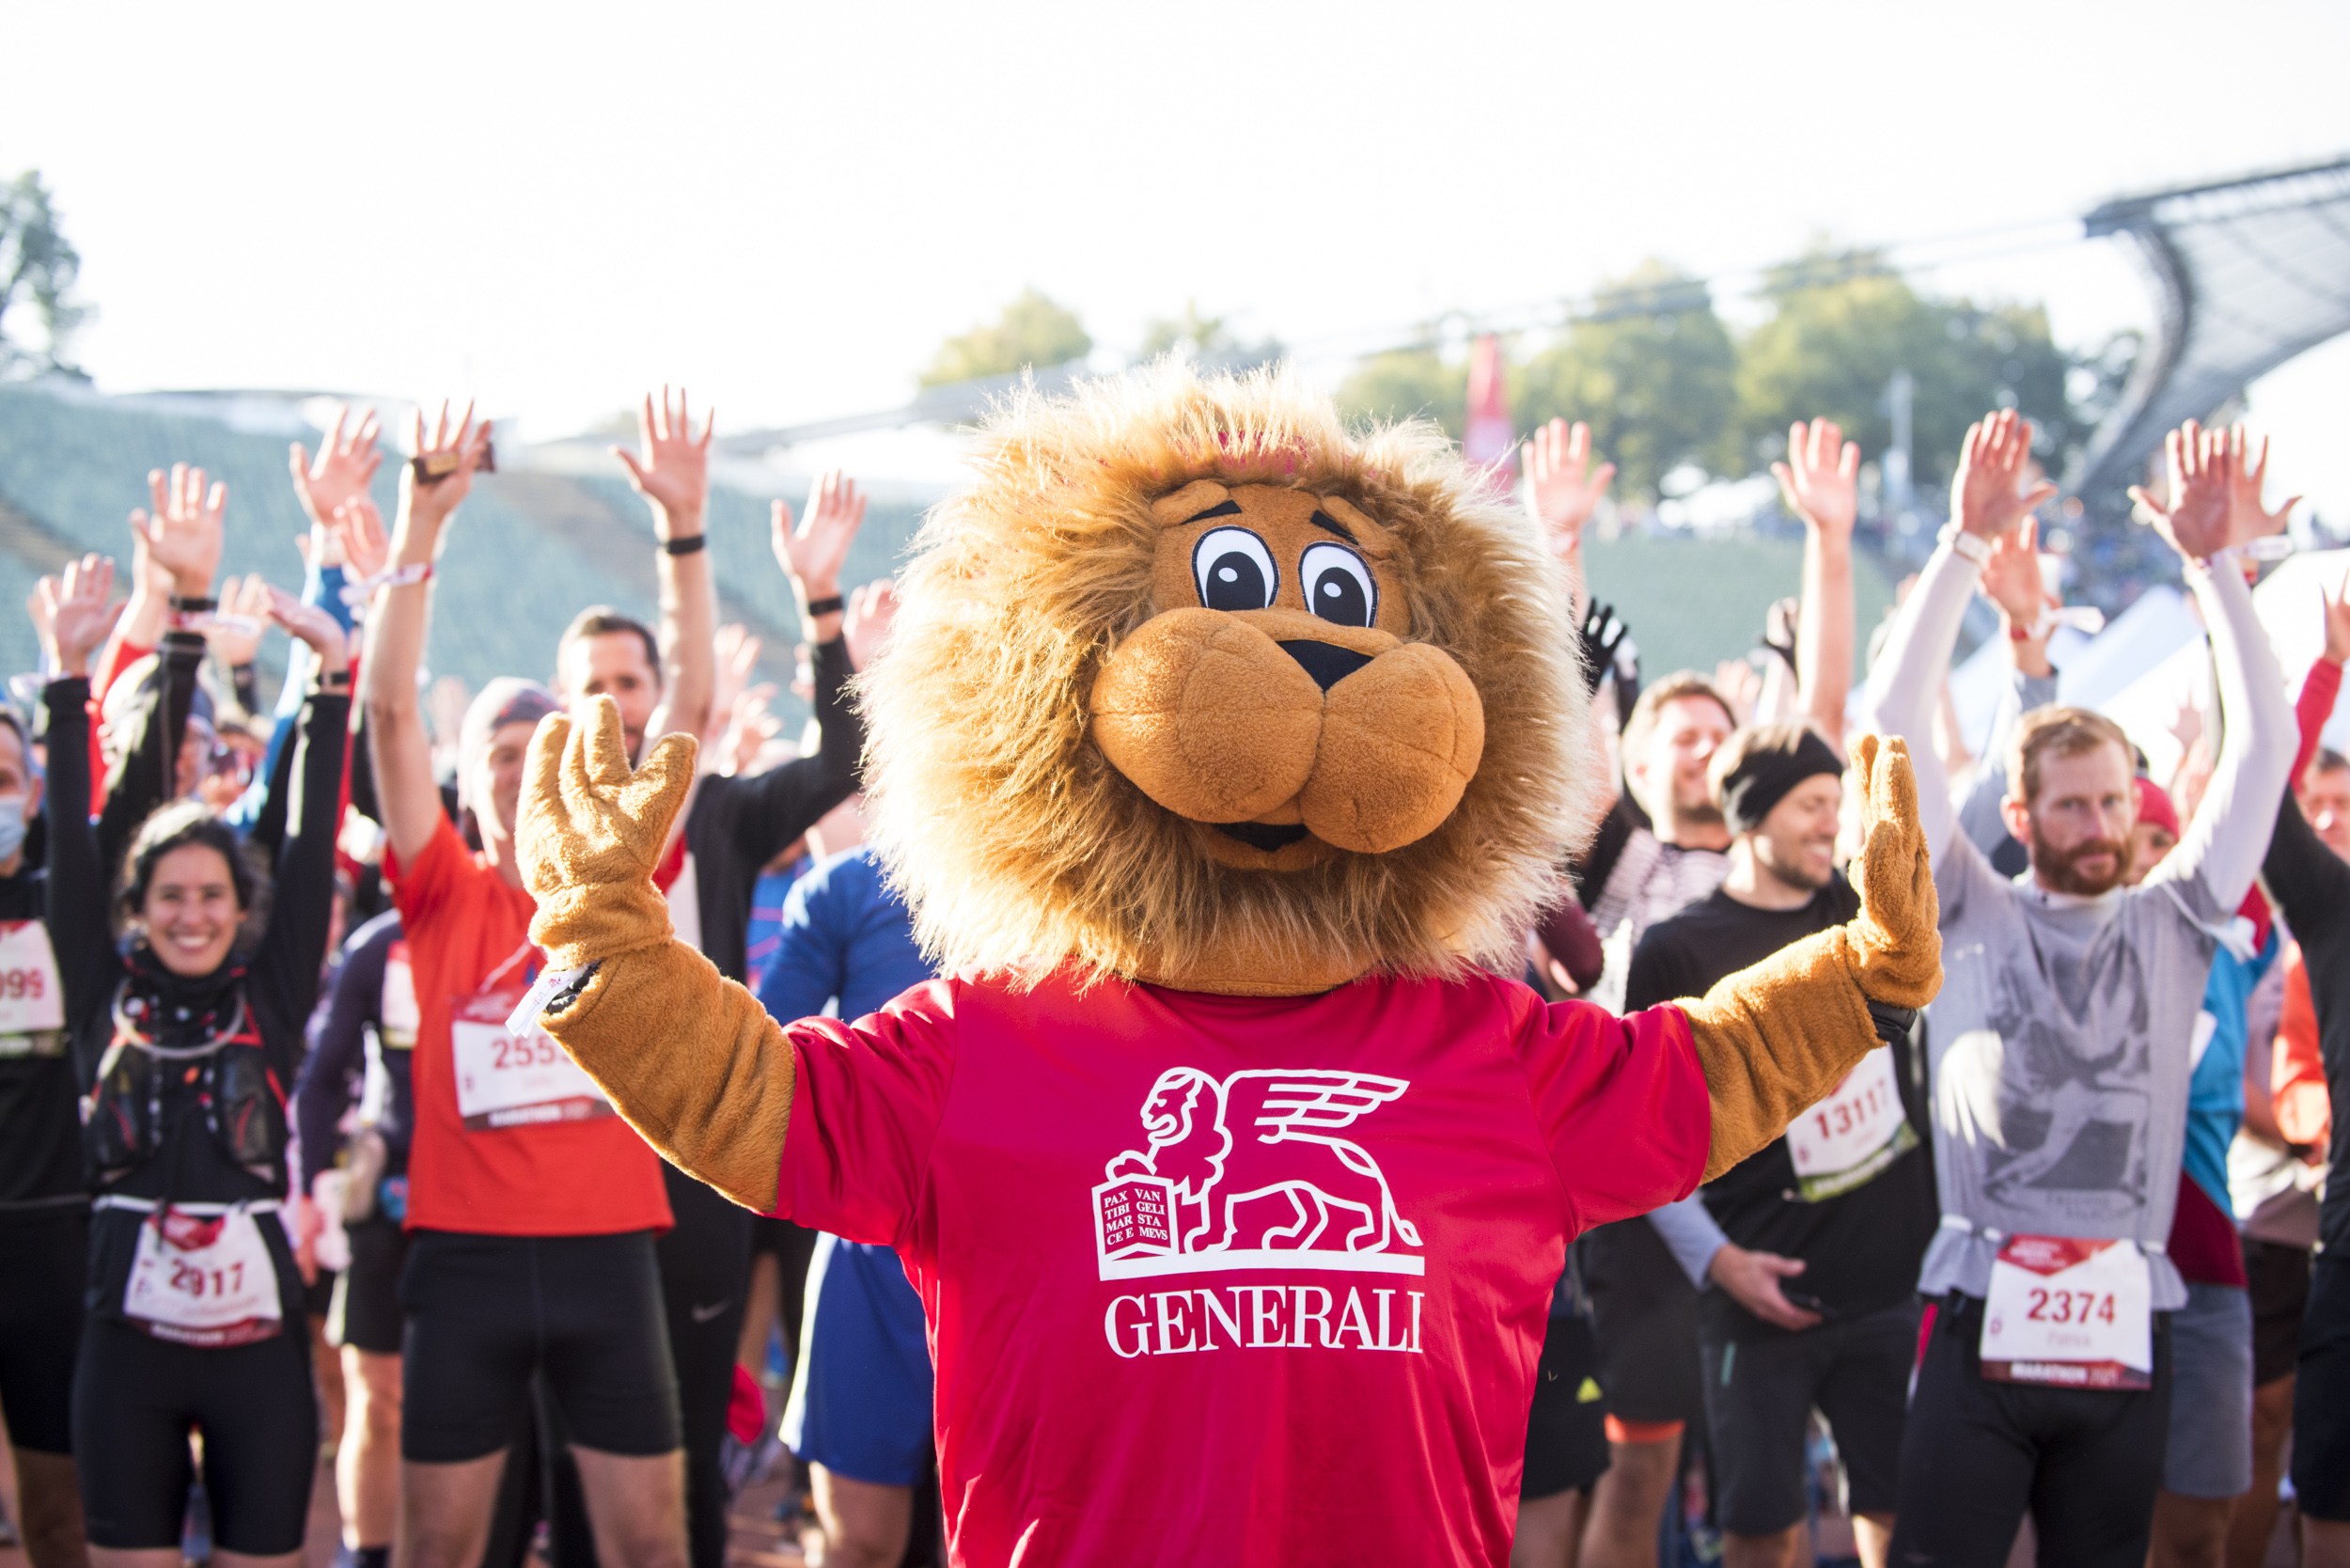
(1273, 716)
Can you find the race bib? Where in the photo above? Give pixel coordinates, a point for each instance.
(32, 1001)
(505, 1079)
(202, 1279)
(396, 1009)
(2074, 1313)
(1848, 1138)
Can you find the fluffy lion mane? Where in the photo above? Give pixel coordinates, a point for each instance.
(1011, 837)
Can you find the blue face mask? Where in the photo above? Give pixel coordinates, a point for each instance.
(12, 827)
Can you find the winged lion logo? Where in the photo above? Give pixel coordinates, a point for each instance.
(1248, 1172)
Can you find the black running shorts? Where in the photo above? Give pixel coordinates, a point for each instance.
(1644, 1315)
(2280, 1279)
(1761, 1384)
(137, 1398)
(2085, 1462)
(486, 1313)
(366, 1313)
(1566, 1436)
(44, 1255)
(2321, 1396)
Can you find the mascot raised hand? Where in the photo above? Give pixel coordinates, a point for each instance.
(1224, 756)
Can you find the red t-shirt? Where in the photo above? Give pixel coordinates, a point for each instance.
(1236, 1279)
(463, 924)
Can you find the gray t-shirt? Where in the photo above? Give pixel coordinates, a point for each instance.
(2059, 1050)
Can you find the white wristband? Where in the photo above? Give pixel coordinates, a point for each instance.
(1966, 544)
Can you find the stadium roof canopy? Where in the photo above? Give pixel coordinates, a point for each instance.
(2247, 274)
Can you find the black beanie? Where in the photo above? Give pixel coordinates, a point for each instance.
(1766, 772)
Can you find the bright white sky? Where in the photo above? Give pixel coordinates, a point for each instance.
(785, 207)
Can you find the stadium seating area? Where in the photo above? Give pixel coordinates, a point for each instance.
(534, 545)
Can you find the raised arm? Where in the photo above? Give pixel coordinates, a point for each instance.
(2321, 685)
(1562, 491)
(2222, 846)
(1775, 1038)
(1819, 481)
(687, 1056)
(75, 618)
(294, 945)
(674, 477)
(1988, 503)
(397, 626)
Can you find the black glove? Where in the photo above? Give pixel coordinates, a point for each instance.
(1602, 632)
(1779, 631)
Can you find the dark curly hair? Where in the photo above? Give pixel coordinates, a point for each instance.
(178, 824)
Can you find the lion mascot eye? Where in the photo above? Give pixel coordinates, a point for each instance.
(1234, 569)
(1338, 586)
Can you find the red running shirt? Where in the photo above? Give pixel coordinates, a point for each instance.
(559, 1179)
(1236, 1281)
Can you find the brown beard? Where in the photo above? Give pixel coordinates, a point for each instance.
(2055, 866)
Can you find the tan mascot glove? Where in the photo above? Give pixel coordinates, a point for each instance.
(687, 1056)
(1775, 1038)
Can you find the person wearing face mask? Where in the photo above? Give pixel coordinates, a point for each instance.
(182, 1040)
(45, 1213)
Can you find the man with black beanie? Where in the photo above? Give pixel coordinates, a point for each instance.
(1815, 1241)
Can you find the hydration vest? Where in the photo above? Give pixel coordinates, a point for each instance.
(244, 1105)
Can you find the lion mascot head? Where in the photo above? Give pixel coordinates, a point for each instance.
(1193, 685)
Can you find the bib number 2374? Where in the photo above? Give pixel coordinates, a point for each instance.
(2069, 1311)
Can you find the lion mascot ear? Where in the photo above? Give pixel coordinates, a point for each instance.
(1195, 685)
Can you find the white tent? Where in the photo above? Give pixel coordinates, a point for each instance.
(2148, 704)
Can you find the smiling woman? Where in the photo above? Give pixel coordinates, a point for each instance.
(187, 889)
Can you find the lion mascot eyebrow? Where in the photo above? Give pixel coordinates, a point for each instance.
(1012, 834)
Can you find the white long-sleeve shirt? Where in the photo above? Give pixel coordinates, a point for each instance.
(2060, 1043)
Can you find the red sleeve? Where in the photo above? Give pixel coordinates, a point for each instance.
(2316, 705)
(867, 1100)
(421, 888)
(125, 655)
(1621, 1105)
(122, 657)
(2297, 1081)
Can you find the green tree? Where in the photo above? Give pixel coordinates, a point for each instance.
(1652, 370)
(1843, 323)
(39, 265)
(1208, 340)
(1032, 331)
(1407, 383)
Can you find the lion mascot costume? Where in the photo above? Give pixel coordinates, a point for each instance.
(1224, 756)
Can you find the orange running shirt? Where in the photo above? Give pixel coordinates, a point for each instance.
(581, 1177)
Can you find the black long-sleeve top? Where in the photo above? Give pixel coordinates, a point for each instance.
(330, 1078)
(736, 825)
(275, 981)
(2312, 884)
(41, 1127)
(733, 828)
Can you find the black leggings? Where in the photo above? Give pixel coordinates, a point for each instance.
(1976, 1454)
(137, 1398)
(705, 1263)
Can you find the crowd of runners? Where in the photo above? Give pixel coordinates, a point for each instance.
(274, 1167)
